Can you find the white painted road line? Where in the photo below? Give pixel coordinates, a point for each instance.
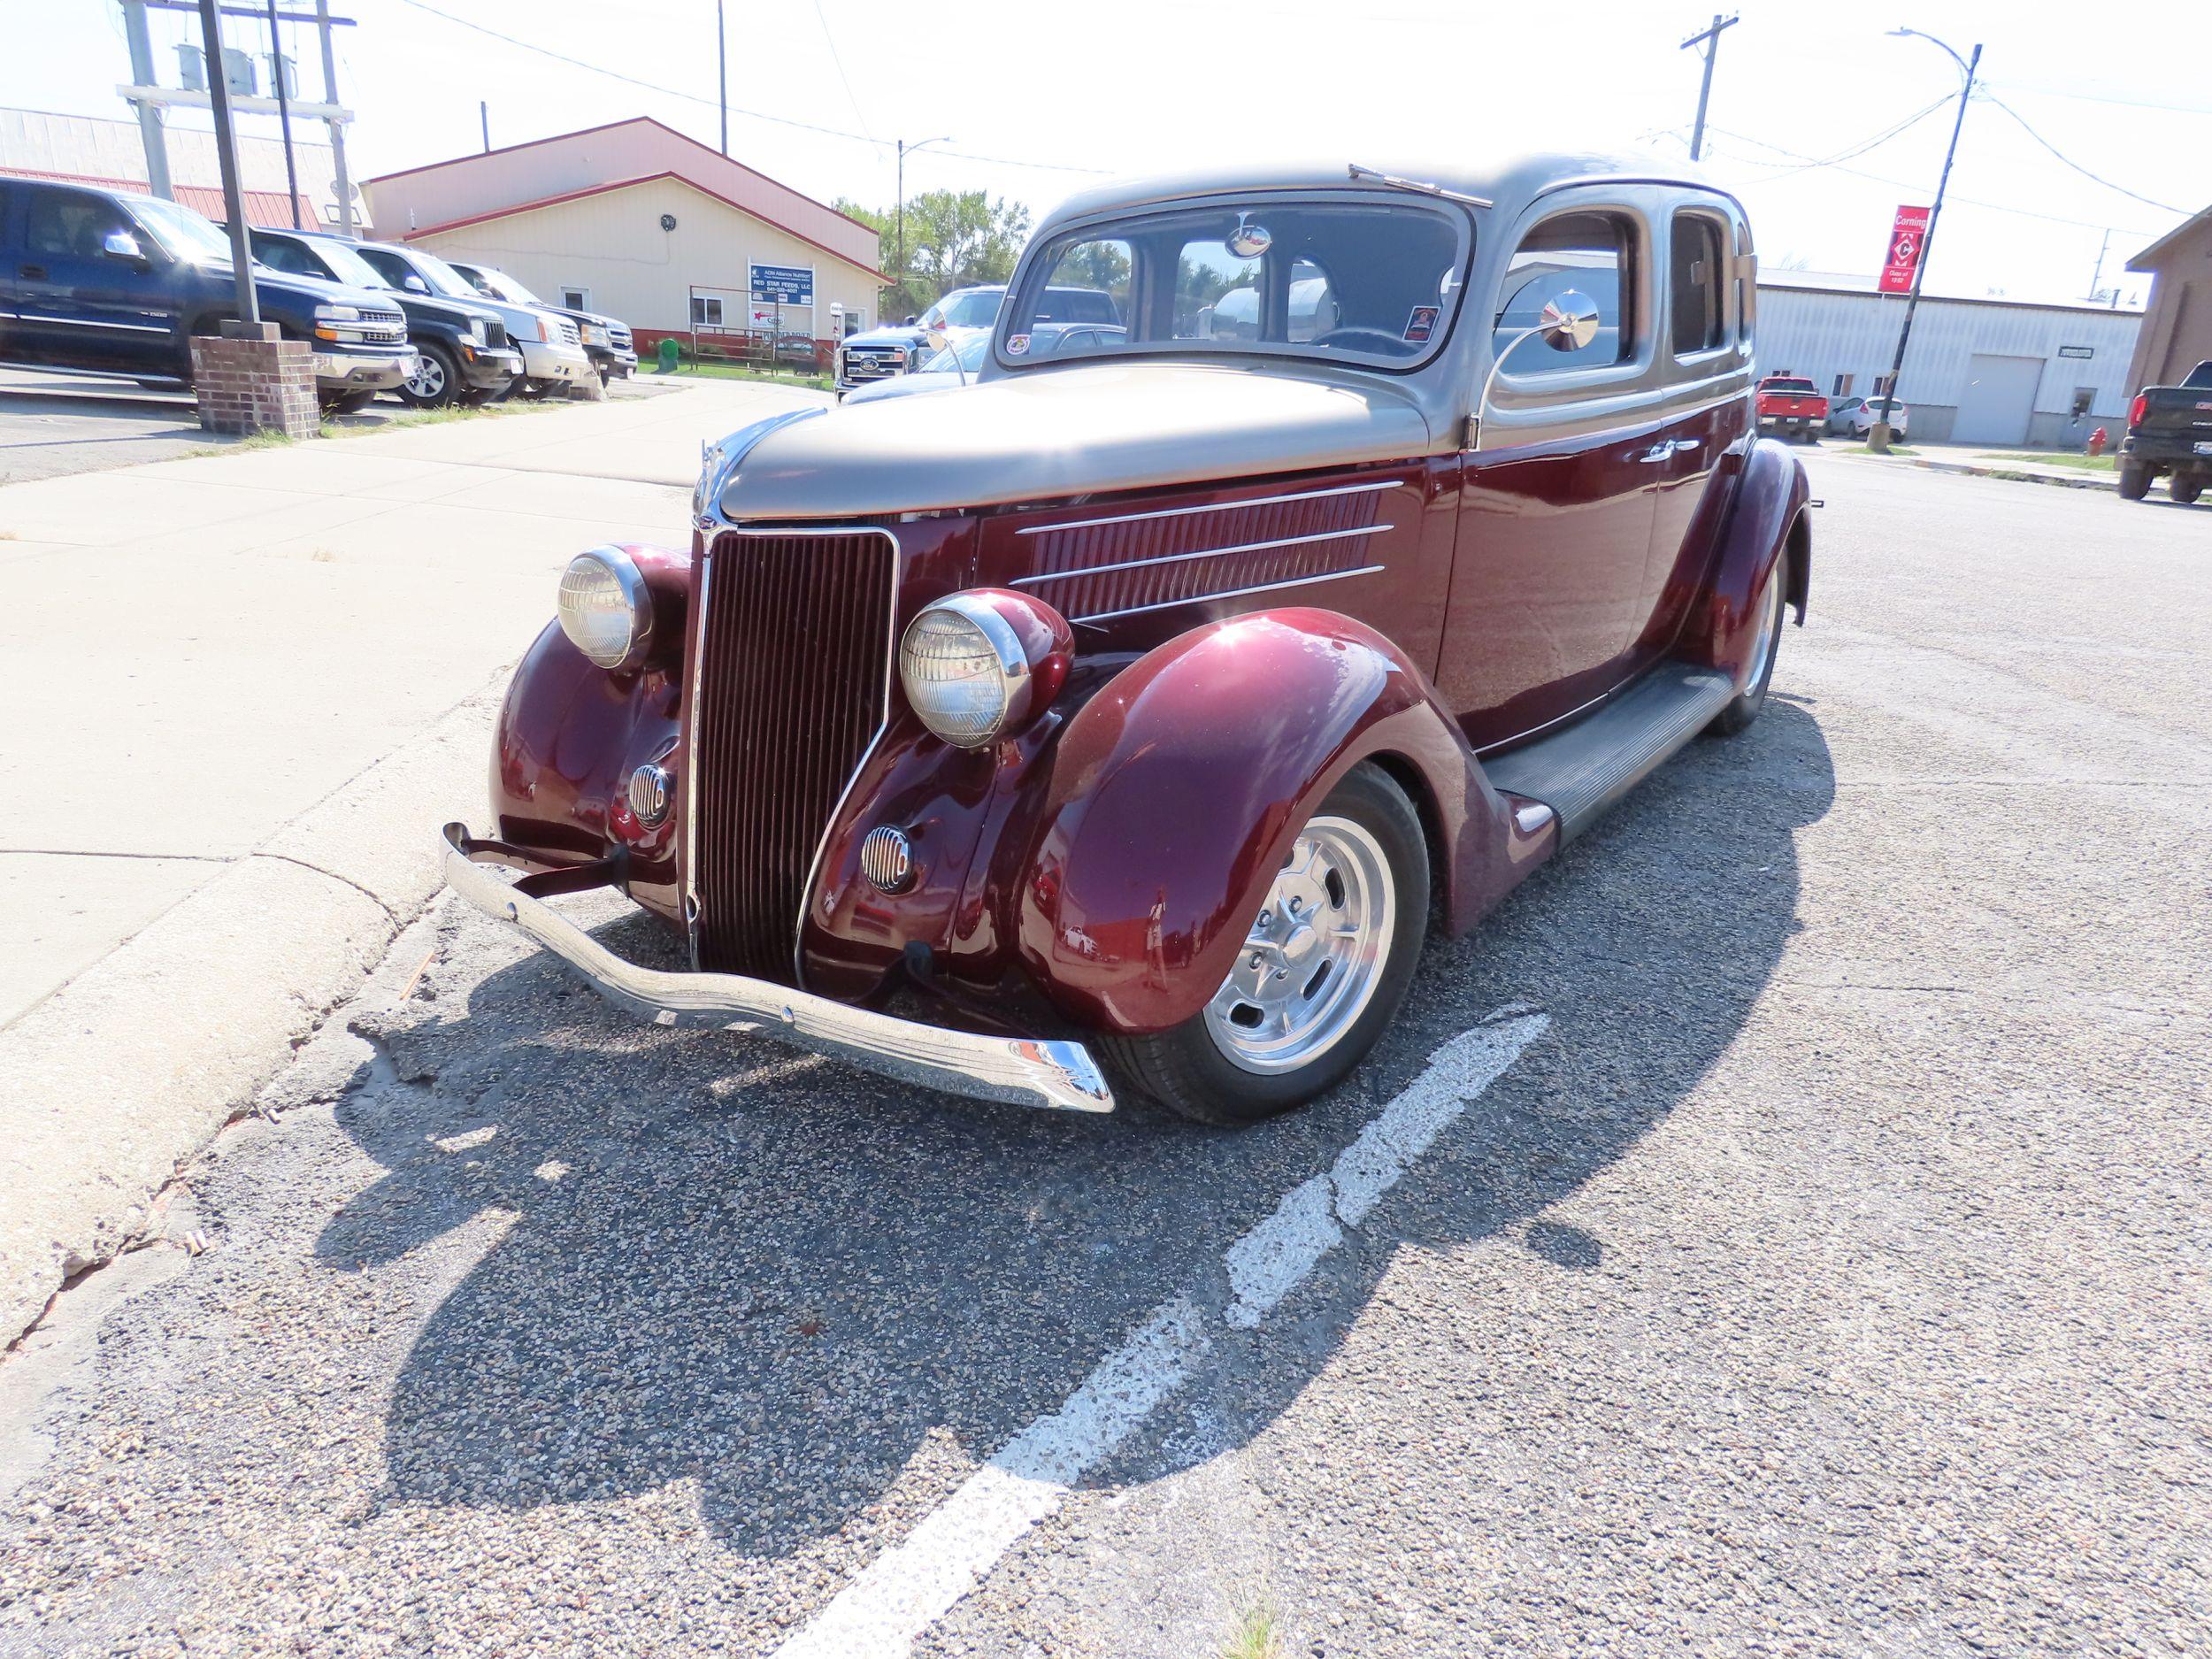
(918, 1581)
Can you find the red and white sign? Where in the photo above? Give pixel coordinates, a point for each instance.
(1907, 236)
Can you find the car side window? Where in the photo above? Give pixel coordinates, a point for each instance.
(63, 225)
(1592, 253)
(284, 256)
(390, 266)
(1693, 285)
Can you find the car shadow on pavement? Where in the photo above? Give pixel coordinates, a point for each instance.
(789, 1281)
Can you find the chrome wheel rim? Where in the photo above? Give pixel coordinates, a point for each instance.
(1769, 635)
(1309, 966)
(429, 378)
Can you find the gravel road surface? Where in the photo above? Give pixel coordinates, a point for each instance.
(1782, 1229)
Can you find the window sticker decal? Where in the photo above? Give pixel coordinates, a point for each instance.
(1421, 324)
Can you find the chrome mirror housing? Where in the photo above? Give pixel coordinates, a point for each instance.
(120, 244)
(1569, 321)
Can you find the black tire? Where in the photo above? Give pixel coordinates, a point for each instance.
(1186, 1070)
(1744, 707)
(2185, 490)
(436, 382)
(2135, 480)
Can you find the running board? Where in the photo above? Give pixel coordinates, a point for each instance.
(1580, 772)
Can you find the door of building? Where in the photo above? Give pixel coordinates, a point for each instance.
(1998, 400)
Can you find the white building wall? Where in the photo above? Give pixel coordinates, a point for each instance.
(612, 244)
(1823, 333)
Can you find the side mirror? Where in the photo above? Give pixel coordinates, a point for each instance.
(912, 322)
(120, 244)
(415, 284)
(1568, 322)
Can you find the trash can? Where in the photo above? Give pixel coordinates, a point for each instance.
(669, 351)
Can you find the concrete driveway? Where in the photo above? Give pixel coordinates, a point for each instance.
(1779, 1230)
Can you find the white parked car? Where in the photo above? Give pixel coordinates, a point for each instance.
(1857, 415)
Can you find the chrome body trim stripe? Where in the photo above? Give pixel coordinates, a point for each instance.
(1232, 593)
(91, 322)
(1028, 1071)
(1202, 553)
(1224, 506)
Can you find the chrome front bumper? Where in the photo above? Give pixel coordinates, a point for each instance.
(1025, 1070)
(361, 371)
(544, 360)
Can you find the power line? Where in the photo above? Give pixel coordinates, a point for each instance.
(692, 97)
(2098, 97)
(844, 80)
(2070, 162)
(1808, 164)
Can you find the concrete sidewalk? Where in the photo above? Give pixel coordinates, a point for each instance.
(1975, 461)
(273, 670)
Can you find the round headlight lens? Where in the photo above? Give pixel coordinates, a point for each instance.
(605, 608)
(977, 665)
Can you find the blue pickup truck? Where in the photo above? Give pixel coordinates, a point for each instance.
(102, 281)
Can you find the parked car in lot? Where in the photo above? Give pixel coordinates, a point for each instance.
(1855, 417)
(461, 347)
(1790, 404)
(1109, 726)
(551, 344)
(108, 282)
(606, 340)
(958, 365)
(878, 353)
(2170, 432)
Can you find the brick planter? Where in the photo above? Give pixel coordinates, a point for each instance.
(249, 379)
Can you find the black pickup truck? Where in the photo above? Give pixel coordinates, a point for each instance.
(110, 282)
(2169, 431)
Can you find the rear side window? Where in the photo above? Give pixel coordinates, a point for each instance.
(1693, 285)
(1591, 254)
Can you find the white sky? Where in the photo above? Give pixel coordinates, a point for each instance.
(1150, 85)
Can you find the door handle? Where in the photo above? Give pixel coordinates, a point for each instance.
(35, 273)
(1667, 448)
(1657, 452)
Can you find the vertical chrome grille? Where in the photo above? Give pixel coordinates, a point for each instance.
(791, 687)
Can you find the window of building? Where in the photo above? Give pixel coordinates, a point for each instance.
(1843, 385)
(1591, 254)
(706, 311)
(1694, 284)
(856, 323)
(575, 299)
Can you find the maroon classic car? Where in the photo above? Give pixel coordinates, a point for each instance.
(1123, 721)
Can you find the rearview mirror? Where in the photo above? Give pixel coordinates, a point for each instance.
(120, 244)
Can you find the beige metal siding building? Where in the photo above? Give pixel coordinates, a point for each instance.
(641, 223)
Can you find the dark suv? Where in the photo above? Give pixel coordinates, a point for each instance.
(103, 281)
(464, 353)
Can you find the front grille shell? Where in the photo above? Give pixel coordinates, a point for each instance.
(790, 690)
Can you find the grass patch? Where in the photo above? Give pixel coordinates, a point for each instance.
(2058, 458)
(740, 372)
(1260, 1634)
(1860, 448)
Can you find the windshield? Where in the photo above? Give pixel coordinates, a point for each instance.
(184, 233)
(348, 265)
(976, 308)
(504, 287)
(1362, 280)
(967, 354)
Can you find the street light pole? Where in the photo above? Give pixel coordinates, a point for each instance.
(226, 155)
(722, 73)
(1710, 38)
(284, 112)
(1878, 438)
(903, 148)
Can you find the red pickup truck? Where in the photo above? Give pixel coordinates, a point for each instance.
(1788, 402)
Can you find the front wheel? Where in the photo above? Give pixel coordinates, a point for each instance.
(436, 381)
(2135, 480)
(1320, 974)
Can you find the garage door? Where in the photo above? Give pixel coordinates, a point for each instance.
(1998, 400)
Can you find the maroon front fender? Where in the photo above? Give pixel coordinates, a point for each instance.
(1767, 514)
(1176, 789)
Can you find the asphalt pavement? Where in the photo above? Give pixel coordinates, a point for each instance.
(1780, 1229)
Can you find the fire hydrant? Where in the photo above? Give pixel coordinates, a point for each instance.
(2098, 439)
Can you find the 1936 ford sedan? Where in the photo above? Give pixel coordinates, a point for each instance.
(1123, 720)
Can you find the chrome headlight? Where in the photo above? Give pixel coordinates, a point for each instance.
(605, 609)
(476, 331)
(592, 336)
(337, 313)
(979, 665)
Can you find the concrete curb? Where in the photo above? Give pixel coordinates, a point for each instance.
(2017, 474)
(112, 1082)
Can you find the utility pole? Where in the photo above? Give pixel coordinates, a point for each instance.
(484, 121)
(722, 71)
(1877, 439)
(2097, 275)
(1709, 42)
(284, 115)
(341, 185)
(149, 117)
(226, 154)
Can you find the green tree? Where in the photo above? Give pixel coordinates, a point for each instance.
(953, 239)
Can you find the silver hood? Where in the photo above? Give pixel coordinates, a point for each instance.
(1046, 433)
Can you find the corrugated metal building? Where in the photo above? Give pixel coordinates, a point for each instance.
(1977, 371)
(111, 156)
(635, 220)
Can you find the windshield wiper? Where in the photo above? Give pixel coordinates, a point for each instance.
(1423, 185)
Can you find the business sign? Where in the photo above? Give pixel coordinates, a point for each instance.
(1907, 237)
(2077, 352)
(783, 284)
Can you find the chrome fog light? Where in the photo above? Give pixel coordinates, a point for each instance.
(651, 791)
(886, 858)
